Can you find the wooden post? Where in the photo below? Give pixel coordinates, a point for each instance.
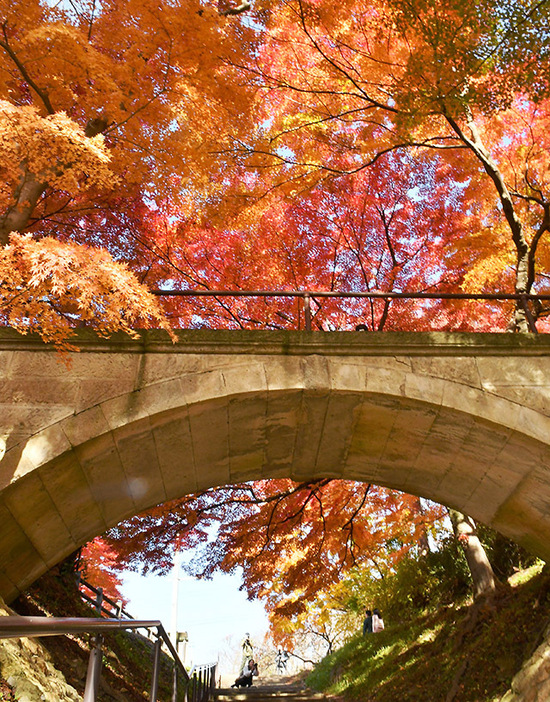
(99, 600)
(307, 311)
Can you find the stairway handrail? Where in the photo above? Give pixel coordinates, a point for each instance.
(15, 626)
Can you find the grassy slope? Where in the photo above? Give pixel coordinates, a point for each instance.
(464, 653)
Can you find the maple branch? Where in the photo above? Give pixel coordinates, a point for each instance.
(360, 506)
(164, 88)
(544, 227)
(277, 157)
(92, 18)
(339, 68)
(476, 145)
(312, 123)
(42, 94)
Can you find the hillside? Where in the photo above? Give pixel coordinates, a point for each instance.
(127, 666)
(461, 653)
(456, 653)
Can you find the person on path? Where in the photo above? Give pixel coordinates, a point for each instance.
(377, 621)
(367, 622)
(248, 651)
(247, 673)
(281, 660)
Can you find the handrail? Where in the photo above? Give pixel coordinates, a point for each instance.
(200, 686)
(374, 294)
(307, 295)
(119, 611)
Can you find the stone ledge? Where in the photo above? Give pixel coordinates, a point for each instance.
(339, 343)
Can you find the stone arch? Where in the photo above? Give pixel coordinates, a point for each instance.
(189, 420)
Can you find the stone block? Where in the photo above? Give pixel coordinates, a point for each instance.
(125, 409)
(85, 426)
(27, 420)
(385, 381)
(203, 386)
(284, 373)
(245, 380)
(480, 404)
(310, 426)
(347, 375)
(8, 589)
(513, 371)
(341, 415)
(316, 374)
(73, 498)
(21, 562)
(246, 466)
(360, 468)
(534, 398)
(532, 423)
(41, 448)
(48, 364)
(247, 424)
(372, 429)
(455, 369)
(283, 411)
(210, 436)
(27, 391)
(138, 456)
(424, 388)
(102, 467)
(36, 513)
(174, 447)
(13, 463)
(116, 369)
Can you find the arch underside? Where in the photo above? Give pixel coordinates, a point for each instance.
(495, 473)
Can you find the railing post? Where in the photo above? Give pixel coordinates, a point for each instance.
(307, 311)
(214, 671)
(99, 600)
(156, 666)
(94, 670)
(175, 684)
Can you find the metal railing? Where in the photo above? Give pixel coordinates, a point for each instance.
(307, 296)
(103, 604)
(198, 685)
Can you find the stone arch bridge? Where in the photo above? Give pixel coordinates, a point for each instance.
(463, 419)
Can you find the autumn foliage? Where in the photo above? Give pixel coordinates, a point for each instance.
(100, 567)
(100, 105)
(290, 539)
(395, 145)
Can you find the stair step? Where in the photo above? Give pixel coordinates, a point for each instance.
(267, 692)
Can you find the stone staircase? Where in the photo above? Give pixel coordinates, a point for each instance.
(268, 689)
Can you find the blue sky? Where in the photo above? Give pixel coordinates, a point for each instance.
(215, 613)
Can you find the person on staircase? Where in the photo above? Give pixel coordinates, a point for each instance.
(247, 673)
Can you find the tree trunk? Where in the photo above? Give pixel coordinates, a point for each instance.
(481, 570)
(17, 217)
(423, 543)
